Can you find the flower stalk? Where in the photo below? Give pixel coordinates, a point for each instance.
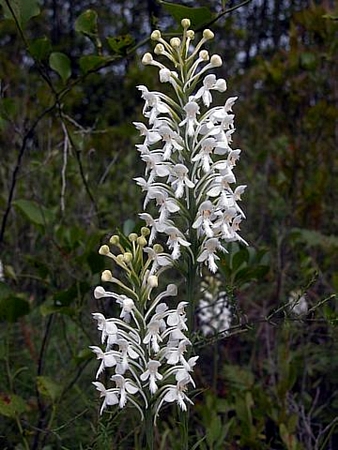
(189, 182)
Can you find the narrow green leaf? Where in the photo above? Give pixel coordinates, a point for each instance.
(214, 429)
(40, 48)
(35, 213)
(333, 16)
(198, 16)
(23, 10)
(86, 23)
(119, 44)
(48, 387)
(61, 64)
(198, 443)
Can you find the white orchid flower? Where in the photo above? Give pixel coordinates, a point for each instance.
(191, 109)
(209, 253)
(108, 359)
(210, 83)
(176, 393)
(152, 374)
(176, 239)
(203, 222)
(110, 395)
(179, 177)
(153, 335)
(125, 386)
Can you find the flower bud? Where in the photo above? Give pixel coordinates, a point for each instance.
(147, 59)
(114, 240)
(152, 281)
(172, 289)
(127, 257)
(155, 35)
(104, 250)
(185, 23)
(158, 248)
(216, 61)
(106, 275)
(203, 54)
(191, 34)
(175, 42)
(128, 304)
(159, 49)
(99, 292)
(120, 259)
(208, 34)
(142, 241)
(145, 231)
(222, 85)
(132, 237)
(164, 75)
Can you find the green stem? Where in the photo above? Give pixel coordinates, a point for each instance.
(149, 429)
(191, 294)
(184, 427)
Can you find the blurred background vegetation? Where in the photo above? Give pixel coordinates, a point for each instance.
(68, 72)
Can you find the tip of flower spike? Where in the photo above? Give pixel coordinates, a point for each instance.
(104, 250)
(208, 34)
(185, 23)
(216, 61)
(106, 275)
(147, 59)
(155, 35)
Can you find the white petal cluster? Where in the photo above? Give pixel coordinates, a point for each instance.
(187, 151)
(214, 312)
(144, 348)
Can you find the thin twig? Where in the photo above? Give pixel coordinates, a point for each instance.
(16, 170)
(223, 13)
(42, 417)
(64, 167)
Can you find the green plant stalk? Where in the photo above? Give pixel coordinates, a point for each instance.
(149, 429)
(184, 428)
